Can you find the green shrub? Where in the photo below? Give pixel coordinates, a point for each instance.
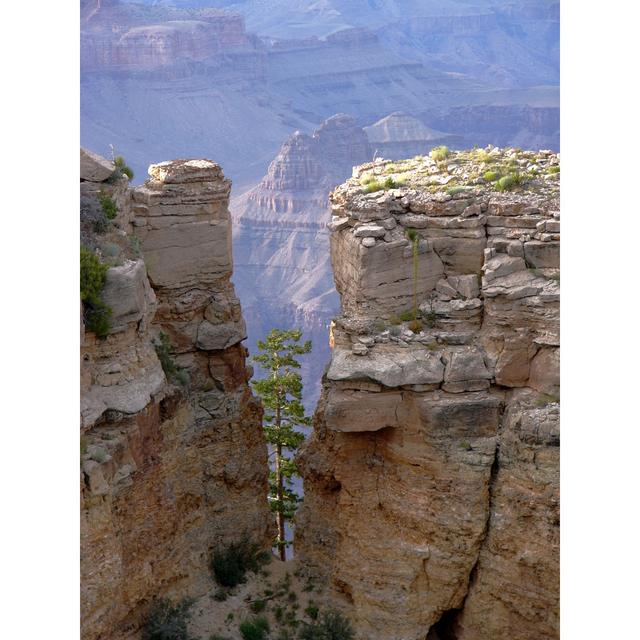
(220, 595)
(456, 190)
(167, 621)
(440, 153)
(93, 275)
(100, 225)
(491, 176)
(465, 445)
(258, 606)
(123, 167)
(97, 317)
(553, 169)
(390, 183)
(509, 182)
(229, 566)
(279, 613)
(312, 611)
(333, 626)
(406, 316)
(83, 446)
(256, 629)
(164, 351)
(366, 179)
(373, 186)
(108, 204)
(430, 319)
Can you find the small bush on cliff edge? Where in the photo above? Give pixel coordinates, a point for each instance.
(108, 204)
(123, 167)
(164, 351)
(440, 153)
(93, 275)
(167, 621)
(509, 182)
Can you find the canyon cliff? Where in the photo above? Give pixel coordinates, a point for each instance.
(432, 474)
(173, 458)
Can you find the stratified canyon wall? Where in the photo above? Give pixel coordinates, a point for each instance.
(431, 479)
(281, 239)
(171, 468)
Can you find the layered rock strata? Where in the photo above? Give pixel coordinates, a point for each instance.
(281, 237)
(431, 478)
(171, 467)
(121, 37)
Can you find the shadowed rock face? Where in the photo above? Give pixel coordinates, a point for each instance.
(169, 471)
(431, 477)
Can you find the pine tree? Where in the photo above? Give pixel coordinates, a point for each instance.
(281, 394)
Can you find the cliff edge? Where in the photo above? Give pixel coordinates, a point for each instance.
(174, 461)
(432, 475)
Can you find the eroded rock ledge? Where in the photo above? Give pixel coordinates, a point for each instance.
(169, 470)
(431, 479)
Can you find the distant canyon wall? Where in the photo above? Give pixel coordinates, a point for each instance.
(216, 90)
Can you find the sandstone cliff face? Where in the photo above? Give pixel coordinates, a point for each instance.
(431, 478)
(169, 470)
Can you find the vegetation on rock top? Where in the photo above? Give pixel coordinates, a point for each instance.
(474, 171)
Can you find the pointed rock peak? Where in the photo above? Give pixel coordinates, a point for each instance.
(399, 126)
(337, 121)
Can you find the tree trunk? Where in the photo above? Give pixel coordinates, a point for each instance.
(280, 514)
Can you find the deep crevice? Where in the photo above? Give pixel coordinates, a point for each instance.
(446, 628)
